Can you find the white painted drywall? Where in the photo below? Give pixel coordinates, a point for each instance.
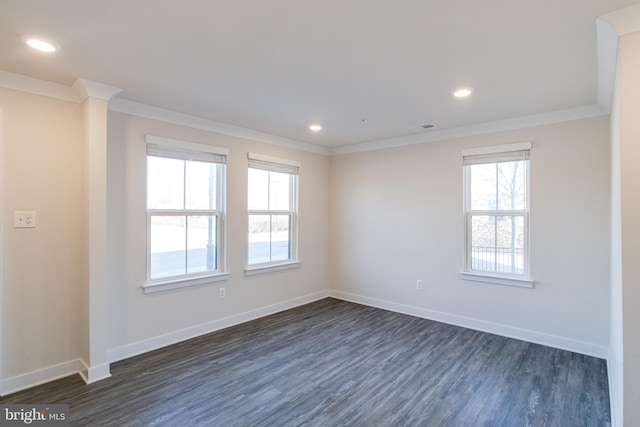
(136, 317)
(95, 231)
(420, 191)
(41, 267)
(616, 340)
(625, 343)
(396, 216)
(2, 215)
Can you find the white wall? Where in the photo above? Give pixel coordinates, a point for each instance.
(41, 268)
(44, 309)
(625, 319)
(418, 188)
(396, 216)
(140, 321)
(616, 339)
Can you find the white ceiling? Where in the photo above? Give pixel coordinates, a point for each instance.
(365, 69)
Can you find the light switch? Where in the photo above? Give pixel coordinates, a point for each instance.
(24, 219)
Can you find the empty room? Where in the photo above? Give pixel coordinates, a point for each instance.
(339, 213)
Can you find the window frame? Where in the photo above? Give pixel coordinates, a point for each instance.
(291, 167)
(183, 150)
(495, 153)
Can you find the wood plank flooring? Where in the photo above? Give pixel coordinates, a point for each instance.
(335, 363)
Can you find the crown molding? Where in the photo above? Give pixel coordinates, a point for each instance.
(84, 89)
(155, 113)
(36, 86)
(623, 21)
(78, 92)
(570, 114)
(607, 48)
(609, 28)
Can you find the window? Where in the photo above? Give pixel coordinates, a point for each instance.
(185, 212)
(496, 205)
(272, 209)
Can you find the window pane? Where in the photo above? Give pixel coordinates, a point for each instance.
(509, 251)
(483, 243)
(280, 237)
(511, 185)
(497, 244)
(258, 188)
(165, 183)
(201, 249)
(259, 239)
(167, 246)
(279, 191)
(483, 186)
(201, 185)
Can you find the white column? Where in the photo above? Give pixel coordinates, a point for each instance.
(95, 332)
(629, 151)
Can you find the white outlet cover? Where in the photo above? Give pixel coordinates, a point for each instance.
(24, 219)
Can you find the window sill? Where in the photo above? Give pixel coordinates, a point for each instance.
(252, 271)
(497, 279)
(183, 283)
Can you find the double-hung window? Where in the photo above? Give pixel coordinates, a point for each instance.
(185, 213)
(273, 213)
(496, 210)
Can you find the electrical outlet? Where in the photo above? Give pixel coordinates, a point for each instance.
(24, 219)
(222, 293)
(419, 284)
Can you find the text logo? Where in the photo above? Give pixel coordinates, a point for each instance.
(34, 415)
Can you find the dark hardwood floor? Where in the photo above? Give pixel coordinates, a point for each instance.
(334, 363)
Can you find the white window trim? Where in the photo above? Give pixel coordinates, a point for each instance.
(497, 279)
(293, 262)
(525, 280)
(182, 281)
(269, 268)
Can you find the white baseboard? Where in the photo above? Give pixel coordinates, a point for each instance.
(134, 349)
(614, 406)
(41, 376)
(548, 340)
(93, 374)
(100, 372)
(97, 373)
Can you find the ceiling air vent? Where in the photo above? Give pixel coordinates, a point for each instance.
(422, 126)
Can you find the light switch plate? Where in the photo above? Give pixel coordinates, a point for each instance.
(24, 219)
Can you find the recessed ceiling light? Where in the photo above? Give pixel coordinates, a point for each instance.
(315, 128)
(462, 92)
(41, 44)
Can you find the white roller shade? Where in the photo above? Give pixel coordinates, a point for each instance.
(273, 164)
(497, 154)
(165, 147)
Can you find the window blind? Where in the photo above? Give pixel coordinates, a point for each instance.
(497, 154)
(272, 164)
(510, 156)
(165, 147)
